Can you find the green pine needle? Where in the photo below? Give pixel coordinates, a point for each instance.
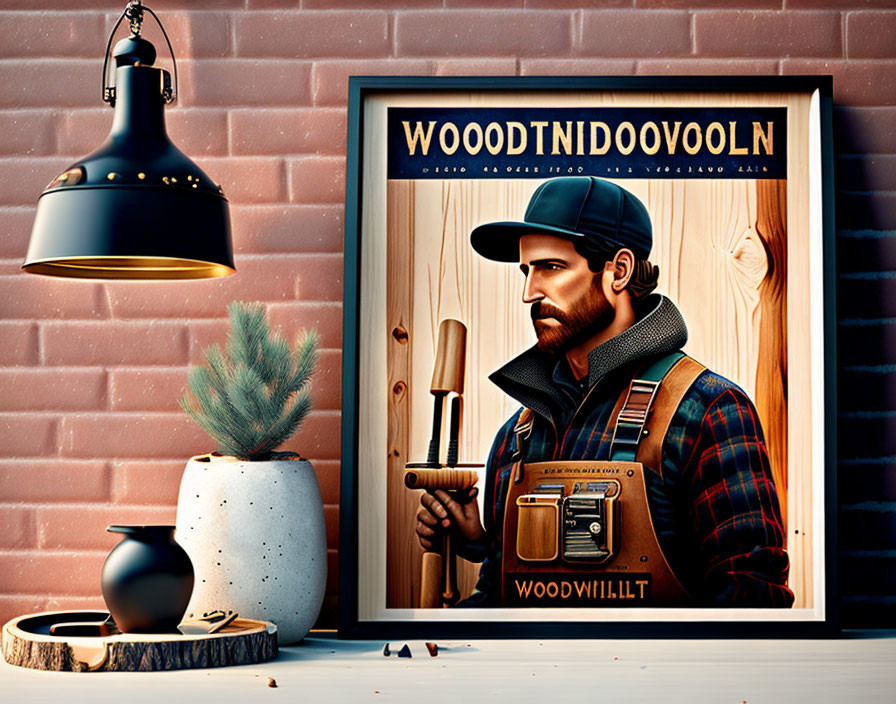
(253, 396)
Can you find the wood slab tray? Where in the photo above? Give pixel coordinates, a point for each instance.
(27, 642)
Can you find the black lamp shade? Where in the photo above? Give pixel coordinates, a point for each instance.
(137, 208)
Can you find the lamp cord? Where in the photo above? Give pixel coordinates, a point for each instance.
(109, 90)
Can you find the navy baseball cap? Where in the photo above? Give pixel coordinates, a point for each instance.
(575, 208)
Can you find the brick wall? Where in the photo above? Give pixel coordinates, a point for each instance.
(89, 373)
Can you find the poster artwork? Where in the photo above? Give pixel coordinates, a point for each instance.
(603, 420)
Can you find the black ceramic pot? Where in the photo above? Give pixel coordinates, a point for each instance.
(147, 580)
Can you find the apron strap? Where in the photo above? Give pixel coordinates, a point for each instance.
(632, 419)
(665, 404)
(522, 430)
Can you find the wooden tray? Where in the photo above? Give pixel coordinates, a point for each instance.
(27, 642)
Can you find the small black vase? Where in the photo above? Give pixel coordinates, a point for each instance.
(147, 580)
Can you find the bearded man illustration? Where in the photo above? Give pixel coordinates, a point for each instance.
(631, 474)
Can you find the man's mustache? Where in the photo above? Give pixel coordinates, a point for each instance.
(540, 310)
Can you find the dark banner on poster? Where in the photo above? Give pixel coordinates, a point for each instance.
(477, 143)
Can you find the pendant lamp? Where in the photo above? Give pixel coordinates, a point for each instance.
(138, 207)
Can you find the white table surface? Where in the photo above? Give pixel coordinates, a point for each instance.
(861, 668)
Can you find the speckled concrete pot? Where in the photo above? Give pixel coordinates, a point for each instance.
(256, 536)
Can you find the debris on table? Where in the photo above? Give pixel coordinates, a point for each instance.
(272, 682)
(403, 649)
(403, 652)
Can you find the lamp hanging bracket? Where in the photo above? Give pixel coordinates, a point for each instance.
(134, 13)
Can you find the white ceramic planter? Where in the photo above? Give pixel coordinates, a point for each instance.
(256, 536)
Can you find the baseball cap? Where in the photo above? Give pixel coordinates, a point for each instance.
(575, 208)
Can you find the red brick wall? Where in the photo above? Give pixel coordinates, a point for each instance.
(89, 373)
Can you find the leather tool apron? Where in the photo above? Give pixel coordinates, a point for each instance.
(579, 532)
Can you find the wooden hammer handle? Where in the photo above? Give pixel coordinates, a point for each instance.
(449, 479)
(431, 581)
(449, 367)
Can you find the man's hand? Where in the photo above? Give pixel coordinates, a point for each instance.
(438, 510)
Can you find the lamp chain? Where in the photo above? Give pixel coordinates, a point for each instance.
(134, 13)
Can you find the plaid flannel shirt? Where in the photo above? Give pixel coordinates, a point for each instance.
(713, 501)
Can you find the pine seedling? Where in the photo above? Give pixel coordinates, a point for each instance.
(251, 397)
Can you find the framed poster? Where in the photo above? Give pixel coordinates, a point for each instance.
(607, 306)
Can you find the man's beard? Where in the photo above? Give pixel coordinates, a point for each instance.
(586, 317)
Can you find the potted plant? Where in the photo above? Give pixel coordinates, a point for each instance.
(251, 518)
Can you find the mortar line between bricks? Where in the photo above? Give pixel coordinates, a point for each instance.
(147, 367)
(30, 595)
(143, 414)
(876, 61)
(284, 252)
(152, 320)
(393, 27)
(231, 18)
(5, 461)
(111, 367)
(58, 368)
(108, 296)
(844, 32)
(108, 395)
(253, 256)
(288, 184)
(58, 436)
(37, 552)
(693, 30)
(328, 304)
(111, 504)
(105, 321)
(77, 504)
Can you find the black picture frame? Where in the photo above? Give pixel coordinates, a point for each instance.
(351, 549)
